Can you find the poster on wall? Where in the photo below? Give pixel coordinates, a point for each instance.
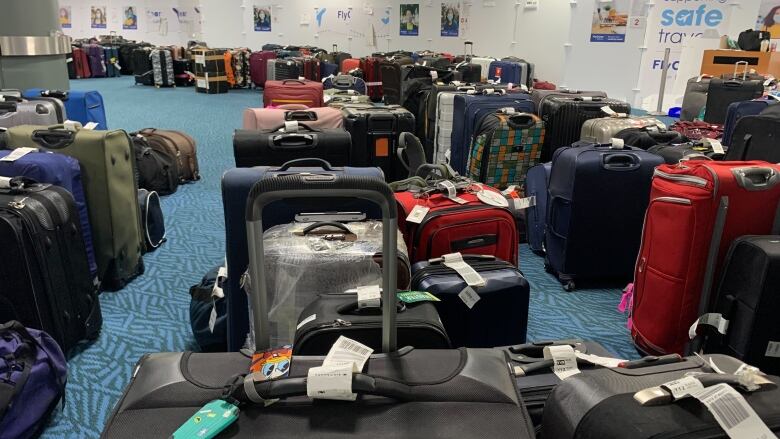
(410, 19)
(450, 19)
(98, 17)
(129, 18)
(769, 18)
(65, 21)
(609, 21)
(262, 18)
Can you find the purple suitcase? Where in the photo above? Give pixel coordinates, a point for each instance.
(97, 60)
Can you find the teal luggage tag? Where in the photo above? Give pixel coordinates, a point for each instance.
(209, 421)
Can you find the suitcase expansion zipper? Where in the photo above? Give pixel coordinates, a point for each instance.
(428, 218)
(479, 266)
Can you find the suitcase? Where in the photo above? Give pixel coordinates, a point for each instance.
(279, 69)
(469, 72)
(345, 82)
(712, 204)
(540, 97)
(738, 110)
(274, 118)
(375, 132)
(564, 116)
(604, 129)
(83, 106)
(162, 68)
(182, 73)
(536, 182)
(723, 92)
(349, 64)
(59, 170)
(258, 66)
(746, 299)
(97, 60)
(755, 137)
(337, 57)
(21, 112)
(70, 63)
(178, 144)
(649, 137)
(390, 75)
(339, 98)
(276, 146)
(81, 63)
(293, 91)
(236, 184)
(311, 68)
(511, 69)
(44, 278)
(52, 104)
(506, 145)
(142, 66)
(695, 97)
(424, 403)
(111, 55)
(328, 69)
(110, 190)
(152, 221)
(241, 68)
(156, 168)
(579, 406)
(372, 74)
(499, 318)
(592, 186)
(675, 153)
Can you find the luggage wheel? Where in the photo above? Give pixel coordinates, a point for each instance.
(569, 286)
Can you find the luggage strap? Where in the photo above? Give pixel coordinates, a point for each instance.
(409, 143)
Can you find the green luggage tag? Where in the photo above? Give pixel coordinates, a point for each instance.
(416, 296)
(209, 421)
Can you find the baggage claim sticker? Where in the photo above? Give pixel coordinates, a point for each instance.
(272, 364)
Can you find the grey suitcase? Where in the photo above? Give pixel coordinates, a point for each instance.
(37, 112)
(270, 69)
(444, 120)
(603, 129)
(695, 97)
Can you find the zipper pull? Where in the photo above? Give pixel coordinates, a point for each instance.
(341, 322)
(17, 204)
(642, 263)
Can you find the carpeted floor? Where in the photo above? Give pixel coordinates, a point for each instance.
(152, 313)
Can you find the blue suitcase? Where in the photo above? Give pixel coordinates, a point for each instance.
(536, 181)
(738, 110)
(499, 318)
(112, 59)
(80, 105)
(514, 70)
(59, 170)
(345, 82)
(327, 69)
(468, 110)
(597, 200)
(236, 184)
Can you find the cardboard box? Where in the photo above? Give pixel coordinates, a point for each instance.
(208, 61)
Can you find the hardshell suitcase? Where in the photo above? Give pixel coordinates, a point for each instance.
(372, 75)
(755, 137)
(723, 92)
(162, 68)
(711, 204)
(107, 169)
(21, 112)
(390, 75)
(349, 64)
(279, 69)
(604, 129)
(593, 186)
(541, 96)
(695, 97)
(44, 278)
(97, 60)
(498, 318)
(258, 66)
(81, 105)
(536, 182)
(278, 145)
(293, 91)
(510, 71)
(270, 118)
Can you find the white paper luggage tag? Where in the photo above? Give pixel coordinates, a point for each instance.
(452, 192)
(331, 382)
(72, 125)
(291, 126)
(455, 261)
(5, 182)
(346, 350)
(369, 296)
(469, 296)
(17, 154)
(773, 349)
(524, 203)
(712, 319)
(612, 113)
(715, 144)
(616, 143)
(417, 214)
(564, 360)
(90, 125)
(492, 198)
(732, 412)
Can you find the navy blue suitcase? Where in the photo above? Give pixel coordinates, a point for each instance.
(59, 170)
(327, 69)
(236, 184)
(738, 110)
(536, 181)
(345, 82)
(468, 110)
(112, 59)
(505, 72)
(499, 318)
(597, 200)
(80, 105)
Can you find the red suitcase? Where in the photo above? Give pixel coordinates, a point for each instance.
(293, 91)
(349, 64)
(696, 211)
(372, 76)
(258, 66)
(449, 227)
(81, 61)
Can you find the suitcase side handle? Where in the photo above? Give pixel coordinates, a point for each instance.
(293, 142)
(53, 139)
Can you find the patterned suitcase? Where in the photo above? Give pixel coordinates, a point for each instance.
(162, 68)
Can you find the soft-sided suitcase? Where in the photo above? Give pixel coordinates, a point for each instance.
(564, 116)
(293, 91)
(269, 118)
(156, 168)
(390, 75)
(721, 93)
(81, 63)
(178, 144)
(142, 66)
(755, 137)
(498, 318)
(97, 60)
(162, 68)
(695, 97)
(44, 278)
(258, 66)
(280, 144)
(466, 393)
(375, 132)
(649, 136)
(111, 55)
(21, 112)
(674, 153)
(107, 169)
(597, 197)
(536, 182)
(349, 64)
(604, 129)
(182, 73)
(372, 75)
(345, 82)
(83, 106)
(711, 204)
(508, 71)
(236, 184)
(340, 98)
(59, 170)
(738, 110)
(541, 96)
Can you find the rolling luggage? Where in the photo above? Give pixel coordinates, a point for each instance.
(540, 97)
(592, 186)
(712, 204)
(152, 221)
(738, 110)
(110, 189)
(21, 112)
(310, 67)
(375, 132)
(162, 68)
(536, 183)
(695, 97)
(81, 63)
(340, 98)
(156, 168)
(258, 66)
(564, 116)
(372, 74)
(239, 62)
(390, 75)
(278, 69)
(97, 60)
(604, 129)
(723, 92)
(83, 106)
(236, 184)
(328, 69)
(674, 153)
(44, 278)
(507, 71)
(345, 82)
(349, 64)
(53, 105)
(499, 317)
(273, 118)
(182, 73)
(178, 144)
(142, 66)
(290, 141)
(111, 55)
(335, 56)
(755, 137)
(293, 91)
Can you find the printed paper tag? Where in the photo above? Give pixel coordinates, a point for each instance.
(417, 214)
(464, 270)
(416, 296)
(200, 59)
(588, 99)
(508, 110)
(67, 60)
(451, 191)
(469, 296)
(354, 98)
(564, 360)
(716, 146)
(345, 351)
(301, 78)
(71, 125)
(492, 198)
(331, 382)
(524, 203)
(5, 182)
(616, 143)
(305, 321)
(290, 126)
(434, 74)
(213, 317)
(601, 361)
(773, 349)
(683, 387)
(509, 86)
(369, 296)
(712, 319)
(732, 412)
(202, 83)
(90, 125)
(17, 154)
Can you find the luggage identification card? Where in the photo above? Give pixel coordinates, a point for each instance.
(209, 421)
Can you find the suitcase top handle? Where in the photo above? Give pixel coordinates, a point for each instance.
(300, 115)
(284, 82)
(53, 138)
(319, 224)
(354, 309)
(621, 162)
(755, 178)
(268, 190)
(324, 164)
(293, 141)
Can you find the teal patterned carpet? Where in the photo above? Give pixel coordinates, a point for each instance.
(152, 313)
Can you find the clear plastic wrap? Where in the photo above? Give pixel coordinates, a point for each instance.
(327, 260)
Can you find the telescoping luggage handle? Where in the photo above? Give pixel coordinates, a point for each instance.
(278, 188)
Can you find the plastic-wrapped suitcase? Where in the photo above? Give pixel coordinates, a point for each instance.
(498, 318)
(738, 110)
(97, 60)
(293, 91)
(540, 96)
(162, 68)
(755, 137)
(603, 129)
(270, 118)
(564, 116)
(258, 66)
(45, 281)
(276, 146)
(236, 184)
(536, 183)
(722, 92)
(21, 112)
(83, 106)
(712, 204)
(345, 82)
(674, 153)
(591, 186)
(372, 75)
(695, 97)
(639, 402)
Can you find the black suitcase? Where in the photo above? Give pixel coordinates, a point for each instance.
(142, 66)
(275, 147)
(563, 119)
(607, 403)
(672, 154)
(756, 137)
(375, 132)
(45, 281)
(288, 68)
(723, 92)
(440, 393)
(71, 65)
(390, 72)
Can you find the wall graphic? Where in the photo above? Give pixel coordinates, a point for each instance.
(98, 17)
(129, 18)
(410, 19)
(609, 21)
(450, 19)
(262, 18)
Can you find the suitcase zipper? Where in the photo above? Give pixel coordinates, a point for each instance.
(676, 200)
(684, 179)
(433, 270)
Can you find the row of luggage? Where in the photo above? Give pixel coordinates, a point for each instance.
(93, 61)
(51, 107)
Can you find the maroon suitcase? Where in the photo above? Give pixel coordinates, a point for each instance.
(372, 76)
(81, 62)
(258, 66)
(311, 68)
(293, 91)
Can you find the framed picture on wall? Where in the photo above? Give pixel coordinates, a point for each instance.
(98, 17)
(65, 21)
(450, 19)
(769, 18)
(410, 19)
(129, 18)
(262, 18)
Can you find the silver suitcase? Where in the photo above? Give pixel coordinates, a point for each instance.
(28, 113)
(271, 69)
(444, 119)
(695, 97)
(603, 129)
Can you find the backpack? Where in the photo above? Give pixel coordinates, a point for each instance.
(207, 300)
(157, 168)
(151, 219)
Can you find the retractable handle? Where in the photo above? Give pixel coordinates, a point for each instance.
(468, 49)
(744, 72)
(278, 188)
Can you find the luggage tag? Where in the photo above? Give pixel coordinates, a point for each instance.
(209, 421)
(715, 144)
(417, 214)
(333, 380)
(492, 198)
(612, 113)
(615, 143)
(564, 360)
(272, 364)
(369, 296)
(416, 296)
(451, 191)
(732, 412)
(17, 154)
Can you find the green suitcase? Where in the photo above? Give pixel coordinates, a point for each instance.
(108, 175)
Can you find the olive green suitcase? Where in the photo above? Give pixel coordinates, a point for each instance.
(108, 175)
